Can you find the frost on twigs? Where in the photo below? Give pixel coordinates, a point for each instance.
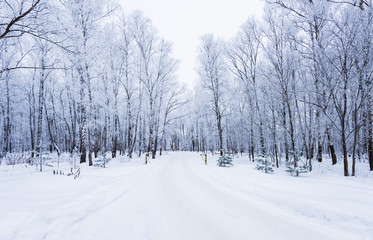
(225, 161)
(41, 159)
(15, 158)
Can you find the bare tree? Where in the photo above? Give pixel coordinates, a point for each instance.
(156, 68)
(243, 56)
(282, 58)
(212, 73)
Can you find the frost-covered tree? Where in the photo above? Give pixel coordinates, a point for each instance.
(213, 75)
(75, 85)
(244, 58)
(155, 71)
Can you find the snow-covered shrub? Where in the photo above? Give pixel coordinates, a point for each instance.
(15, 158)
(44, 159)
(225, 161)
(47, 159)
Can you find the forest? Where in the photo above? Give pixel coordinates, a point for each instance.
(84, 77)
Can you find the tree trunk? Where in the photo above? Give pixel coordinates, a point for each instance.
(261, 135)
(7, 124)
(129, 126)
(284, 122)
(115, 137)
(292, 138)
(331, 146)
(344, 150)
(319, 137)
(370, 153)
(220, 130)
(83, 123)
(40, 111)
(369, 123)
(140, 134)
(31, 112)
(354, 154)
(343, 122)
(92, 144)
(252, 144)
(151, 143)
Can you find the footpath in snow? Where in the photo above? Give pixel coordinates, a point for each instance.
(177, 197)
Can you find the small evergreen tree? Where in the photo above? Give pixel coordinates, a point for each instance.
(225, 161)
(101, 162)
(264, 164)
(291, 165)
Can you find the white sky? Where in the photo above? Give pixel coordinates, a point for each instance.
(184, 22)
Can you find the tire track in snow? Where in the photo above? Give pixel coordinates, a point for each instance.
(179, 198)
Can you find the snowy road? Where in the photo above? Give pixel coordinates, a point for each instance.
(178, 197)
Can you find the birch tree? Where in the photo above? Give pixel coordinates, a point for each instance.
(244, 58)
(212, 73)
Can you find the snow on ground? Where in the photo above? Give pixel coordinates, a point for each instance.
(177, 197)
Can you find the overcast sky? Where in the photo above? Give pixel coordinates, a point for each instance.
(184, 22)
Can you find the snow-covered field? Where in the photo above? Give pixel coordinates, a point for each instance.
(177, 197)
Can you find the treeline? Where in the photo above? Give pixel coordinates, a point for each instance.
(297, 82)
(82, 76)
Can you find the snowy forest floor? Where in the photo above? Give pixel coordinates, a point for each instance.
(177, 197)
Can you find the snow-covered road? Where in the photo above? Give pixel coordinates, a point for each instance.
(177, 197)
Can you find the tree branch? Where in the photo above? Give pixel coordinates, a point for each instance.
(17, 19)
